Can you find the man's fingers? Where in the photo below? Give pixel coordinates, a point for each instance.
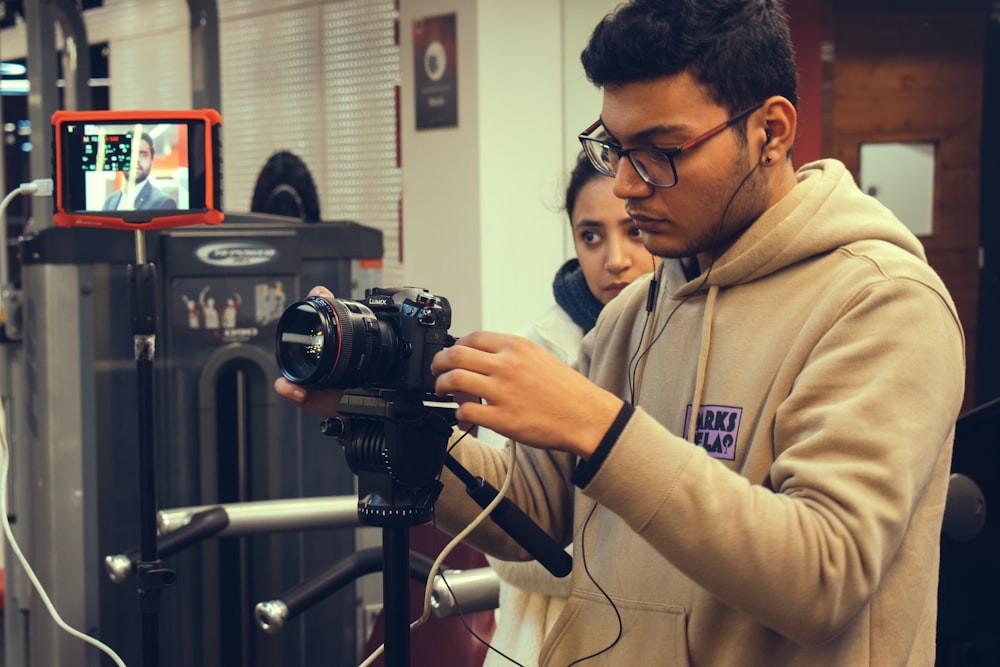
(471, 411)
(481, 352)
(291, 391)
(459, 380)
(320, 403)
(460, 356)
(487, 341)
(320, 290)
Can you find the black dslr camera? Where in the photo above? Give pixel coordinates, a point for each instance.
(384, 342)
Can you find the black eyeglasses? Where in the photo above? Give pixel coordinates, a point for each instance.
(654, 165)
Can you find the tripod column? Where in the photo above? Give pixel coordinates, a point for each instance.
(152, 578)
(396, 595)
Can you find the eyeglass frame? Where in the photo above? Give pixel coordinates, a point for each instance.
(668, 153)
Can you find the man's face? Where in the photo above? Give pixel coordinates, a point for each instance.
(143, 165)
(710, 205)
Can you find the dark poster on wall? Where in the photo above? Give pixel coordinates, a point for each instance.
(435, 64)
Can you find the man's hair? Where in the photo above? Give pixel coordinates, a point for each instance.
(149, 140)
(739, 50)
(583, 173)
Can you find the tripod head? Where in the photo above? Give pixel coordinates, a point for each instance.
(396, 445)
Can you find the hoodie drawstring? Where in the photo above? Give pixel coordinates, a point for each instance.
(706, 339)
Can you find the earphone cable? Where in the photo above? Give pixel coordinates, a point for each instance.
(633, 365)
(614, 608)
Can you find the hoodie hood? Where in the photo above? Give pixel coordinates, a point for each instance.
(825, 211)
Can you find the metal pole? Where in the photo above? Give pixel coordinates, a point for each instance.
(152, 576)
(396, 595)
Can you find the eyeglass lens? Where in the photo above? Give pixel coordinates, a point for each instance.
(654, 167)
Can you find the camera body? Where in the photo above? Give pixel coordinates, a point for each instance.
(385, 341)
(422, 321)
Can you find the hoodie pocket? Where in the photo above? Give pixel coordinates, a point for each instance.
(651, 634)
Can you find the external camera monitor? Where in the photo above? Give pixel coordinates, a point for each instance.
(137, 169)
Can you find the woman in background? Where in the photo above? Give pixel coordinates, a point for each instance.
(609, 256)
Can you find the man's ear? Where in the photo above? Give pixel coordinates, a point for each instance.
(778, 124)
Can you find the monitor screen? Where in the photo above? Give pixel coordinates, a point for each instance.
(123, 172)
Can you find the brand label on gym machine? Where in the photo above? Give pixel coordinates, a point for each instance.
(241, 253)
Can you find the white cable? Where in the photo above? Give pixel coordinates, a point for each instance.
(4, 278)
(501, 494)
(40, 187)
(4, 469)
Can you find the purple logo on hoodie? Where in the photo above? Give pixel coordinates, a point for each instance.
(717, 429)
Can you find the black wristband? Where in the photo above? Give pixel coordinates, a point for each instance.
(585, 470)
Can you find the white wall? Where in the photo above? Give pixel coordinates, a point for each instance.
(521, 147)
(441, 179)
(482, 202)
(478, 199)
(583, 100)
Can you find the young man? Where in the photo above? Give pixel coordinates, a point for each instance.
(753, 470)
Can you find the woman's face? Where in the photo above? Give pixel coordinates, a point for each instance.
(608, 245)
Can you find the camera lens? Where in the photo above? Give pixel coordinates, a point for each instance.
(327, 343)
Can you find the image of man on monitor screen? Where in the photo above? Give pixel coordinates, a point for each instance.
(137, 193)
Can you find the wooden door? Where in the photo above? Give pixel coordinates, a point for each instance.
(906, 72)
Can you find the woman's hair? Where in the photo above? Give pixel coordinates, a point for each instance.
(583, 173)
(739, 50)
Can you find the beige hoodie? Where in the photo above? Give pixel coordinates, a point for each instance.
(824, 361)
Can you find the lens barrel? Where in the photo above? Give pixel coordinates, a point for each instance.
(332, 344)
